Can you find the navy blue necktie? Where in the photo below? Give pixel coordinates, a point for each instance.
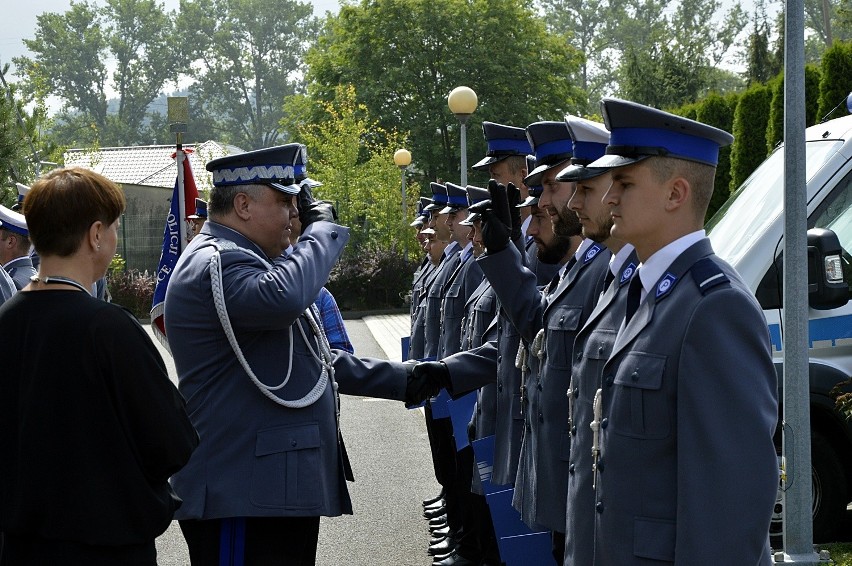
(634, 295)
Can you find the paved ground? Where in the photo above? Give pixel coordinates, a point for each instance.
(393, 472)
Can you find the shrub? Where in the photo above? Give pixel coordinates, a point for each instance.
(750, 121)
(371, 277)
(132, 289)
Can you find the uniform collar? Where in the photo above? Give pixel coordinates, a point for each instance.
(650, 271)
(616, 262)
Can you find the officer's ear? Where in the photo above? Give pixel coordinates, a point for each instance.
(679, 193)
(241, 206)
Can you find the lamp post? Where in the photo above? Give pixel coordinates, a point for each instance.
(402, 159)
(462, 102)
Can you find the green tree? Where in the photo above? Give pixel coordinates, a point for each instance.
(24, 151)
(70, 51)
(761, 61)
(718, 110)
(405, 56)
(352, 156)
(247, 57)
(836, 82)
(749, 129)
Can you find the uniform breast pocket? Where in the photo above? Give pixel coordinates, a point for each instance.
(562, 325)
(287, 467)
(452, 306)
(484, 313)
(640, 405)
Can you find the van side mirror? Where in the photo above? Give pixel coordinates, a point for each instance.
(827, 288)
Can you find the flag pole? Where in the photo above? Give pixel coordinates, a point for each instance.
(178, 116)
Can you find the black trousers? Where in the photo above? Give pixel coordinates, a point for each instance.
(252, 541)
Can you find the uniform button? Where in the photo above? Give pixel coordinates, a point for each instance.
(599, 507)
(609, 380)
(540, 418)
(574, 430)
(499, 386)
(293, 443)
(571, 469)
(561, 320)
(600, 349)
(499, 359)
(634, 376)
(334, 234)
(576, 392)
(604, 422)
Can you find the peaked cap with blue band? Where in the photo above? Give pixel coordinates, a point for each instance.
(439, 197)
(279, 167)
(638, 132)
(590, 142)
(503, 141)
(13, 221)
(475, 196)
(200, 209)
(532, 200)
(552, 145)
(456, 198)
(22, 192)
(422, 213)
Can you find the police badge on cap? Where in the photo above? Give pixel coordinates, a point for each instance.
(278, 167)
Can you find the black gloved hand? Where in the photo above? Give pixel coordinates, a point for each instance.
(513, 196)
(317, 211)
(496, 220)
(425, 380)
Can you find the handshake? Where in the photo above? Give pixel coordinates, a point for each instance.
(501, 217)
(425, 380)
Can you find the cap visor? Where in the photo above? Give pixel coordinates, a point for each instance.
(451, 208)
(286, 189)
(433, 207)
(529, 202)
(580, 173)
(484, 163)
(613, 161)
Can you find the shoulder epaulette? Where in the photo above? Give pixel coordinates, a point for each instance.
(707, 274)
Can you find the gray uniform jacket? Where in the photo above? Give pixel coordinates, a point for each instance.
(7, 286)
(434, 300)
(415, 343)
(480, 311)
(690, 403)
(20, 270)
(541, 482)
(457, 290)
(592, 348)
(257, 458)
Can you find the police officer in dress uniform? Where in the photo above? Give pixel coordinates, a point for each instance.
(476, 542)
(419, 285)
(685, 406)
(15, 247)
(508, 160)
(258, 377)
(595, 339)
(197, 220)
(548, 322)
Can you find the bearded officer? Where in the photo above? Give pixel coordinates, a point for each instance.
(258, 376)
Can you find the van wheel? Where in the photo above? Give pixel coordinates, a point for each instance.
(829, 489)
(828, 482)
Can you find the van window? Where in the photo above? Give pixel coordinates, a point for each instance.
(835, 214)
(759, 201)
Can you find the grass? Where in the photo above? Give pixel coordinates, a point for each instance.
(841, 552)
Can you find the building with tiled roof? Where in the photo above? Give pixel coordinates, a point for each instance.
(147, 174)
(149, 165)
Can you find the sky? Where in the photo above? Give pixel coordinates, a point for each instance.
(19, 21)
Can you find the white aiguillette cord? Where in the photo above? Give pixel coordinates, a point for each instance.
(58, 279)
(323, 355)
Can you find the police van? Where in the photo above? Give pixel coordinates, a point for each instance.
(748, 233)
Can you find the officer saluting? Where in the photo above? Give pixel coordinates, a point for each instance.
(254, 366)
(688, 402)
